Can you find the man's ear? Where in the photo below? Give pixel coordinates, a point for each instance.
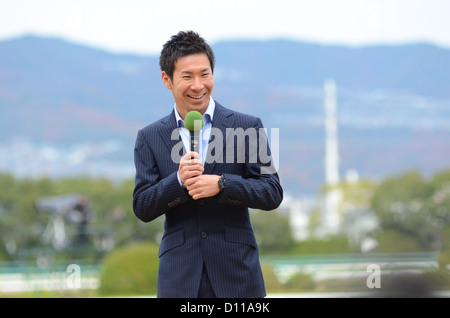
(166, 80)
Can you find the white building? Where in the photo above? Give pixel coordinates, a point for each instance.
(299, 212)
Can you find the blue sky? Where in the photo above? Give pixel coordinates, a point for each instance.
(142, 26)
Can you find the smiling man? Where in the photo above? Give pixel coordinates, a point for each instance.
(191, 83)
(208, 248)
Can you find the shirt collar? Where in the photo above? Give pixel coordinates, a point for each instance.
(207, 116)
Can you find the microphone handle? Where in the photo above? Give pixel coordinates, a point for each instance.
(195, 141)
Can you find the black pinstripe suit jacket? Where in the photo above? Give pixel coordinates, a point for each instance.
(214, 231)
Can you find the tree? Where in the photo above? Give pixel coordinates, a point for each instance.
(438, 206)
(356, 219)
(130, 270)
(411, 205)
(112, 221)
(272, 230)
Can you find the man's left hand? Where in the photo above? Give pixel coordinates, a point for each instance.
(203, 186)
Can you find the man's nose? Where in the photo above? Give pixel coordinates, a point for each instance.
(197, 84)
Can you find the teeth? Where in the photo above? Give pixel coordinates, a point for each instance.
(196, 97)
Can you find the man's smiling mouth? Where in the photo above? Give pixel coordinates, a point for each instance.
(196, 96)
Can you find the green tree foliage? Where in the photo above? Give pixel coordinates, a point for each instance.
(391, 241)
(357, 219)
(413, 213)
(272, 231)
(112, 222)
(439, 200)
(332, 244)
(415, 207)
(271, 281)
(19, 222)
(130, 270)
(300, 282)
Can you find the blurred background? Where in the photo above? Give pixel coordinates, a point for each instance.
(357, 89)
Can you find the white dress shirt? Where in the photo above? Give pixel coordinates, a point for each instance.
(205, 133)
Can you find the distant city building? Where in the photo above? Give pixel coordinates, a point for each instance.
(299, 213)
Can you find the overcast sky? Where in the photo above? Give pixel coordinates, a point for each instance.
(142, 26)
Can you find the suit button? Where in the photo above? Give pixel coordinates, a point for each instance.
(204, 234)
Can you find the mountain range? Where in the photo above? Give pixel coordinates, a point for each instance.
(67, 108)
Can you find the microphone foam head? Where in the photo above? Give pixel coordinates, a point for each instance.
(193, 121)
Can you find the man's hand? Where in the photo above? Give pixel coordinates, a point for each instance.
(191, 175)
(190, 166)
(203, 186)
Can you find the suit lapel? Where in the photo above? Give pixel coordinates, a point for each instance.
(222, 120)
(170, 133)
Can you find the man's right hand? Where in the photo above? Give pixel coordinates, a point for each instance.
(190, 166)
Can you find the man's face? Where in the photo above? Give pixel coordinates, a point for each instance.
(192, 83)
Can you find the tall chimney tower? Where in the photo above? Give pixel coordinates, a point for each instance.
(331, 145)
(333, 196)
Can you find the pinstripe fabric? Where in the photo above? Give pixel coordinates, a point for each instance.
(215, 231)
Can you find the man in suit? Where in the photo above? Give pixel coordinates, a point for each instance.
(208, 248)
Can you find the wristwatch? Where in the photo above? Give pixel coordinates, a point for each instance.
(221, 183)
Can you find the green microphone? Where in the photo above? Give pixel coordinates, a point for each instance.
(194, 123)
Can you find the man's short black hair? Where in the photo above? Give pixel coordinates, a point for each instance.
(182, 44)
